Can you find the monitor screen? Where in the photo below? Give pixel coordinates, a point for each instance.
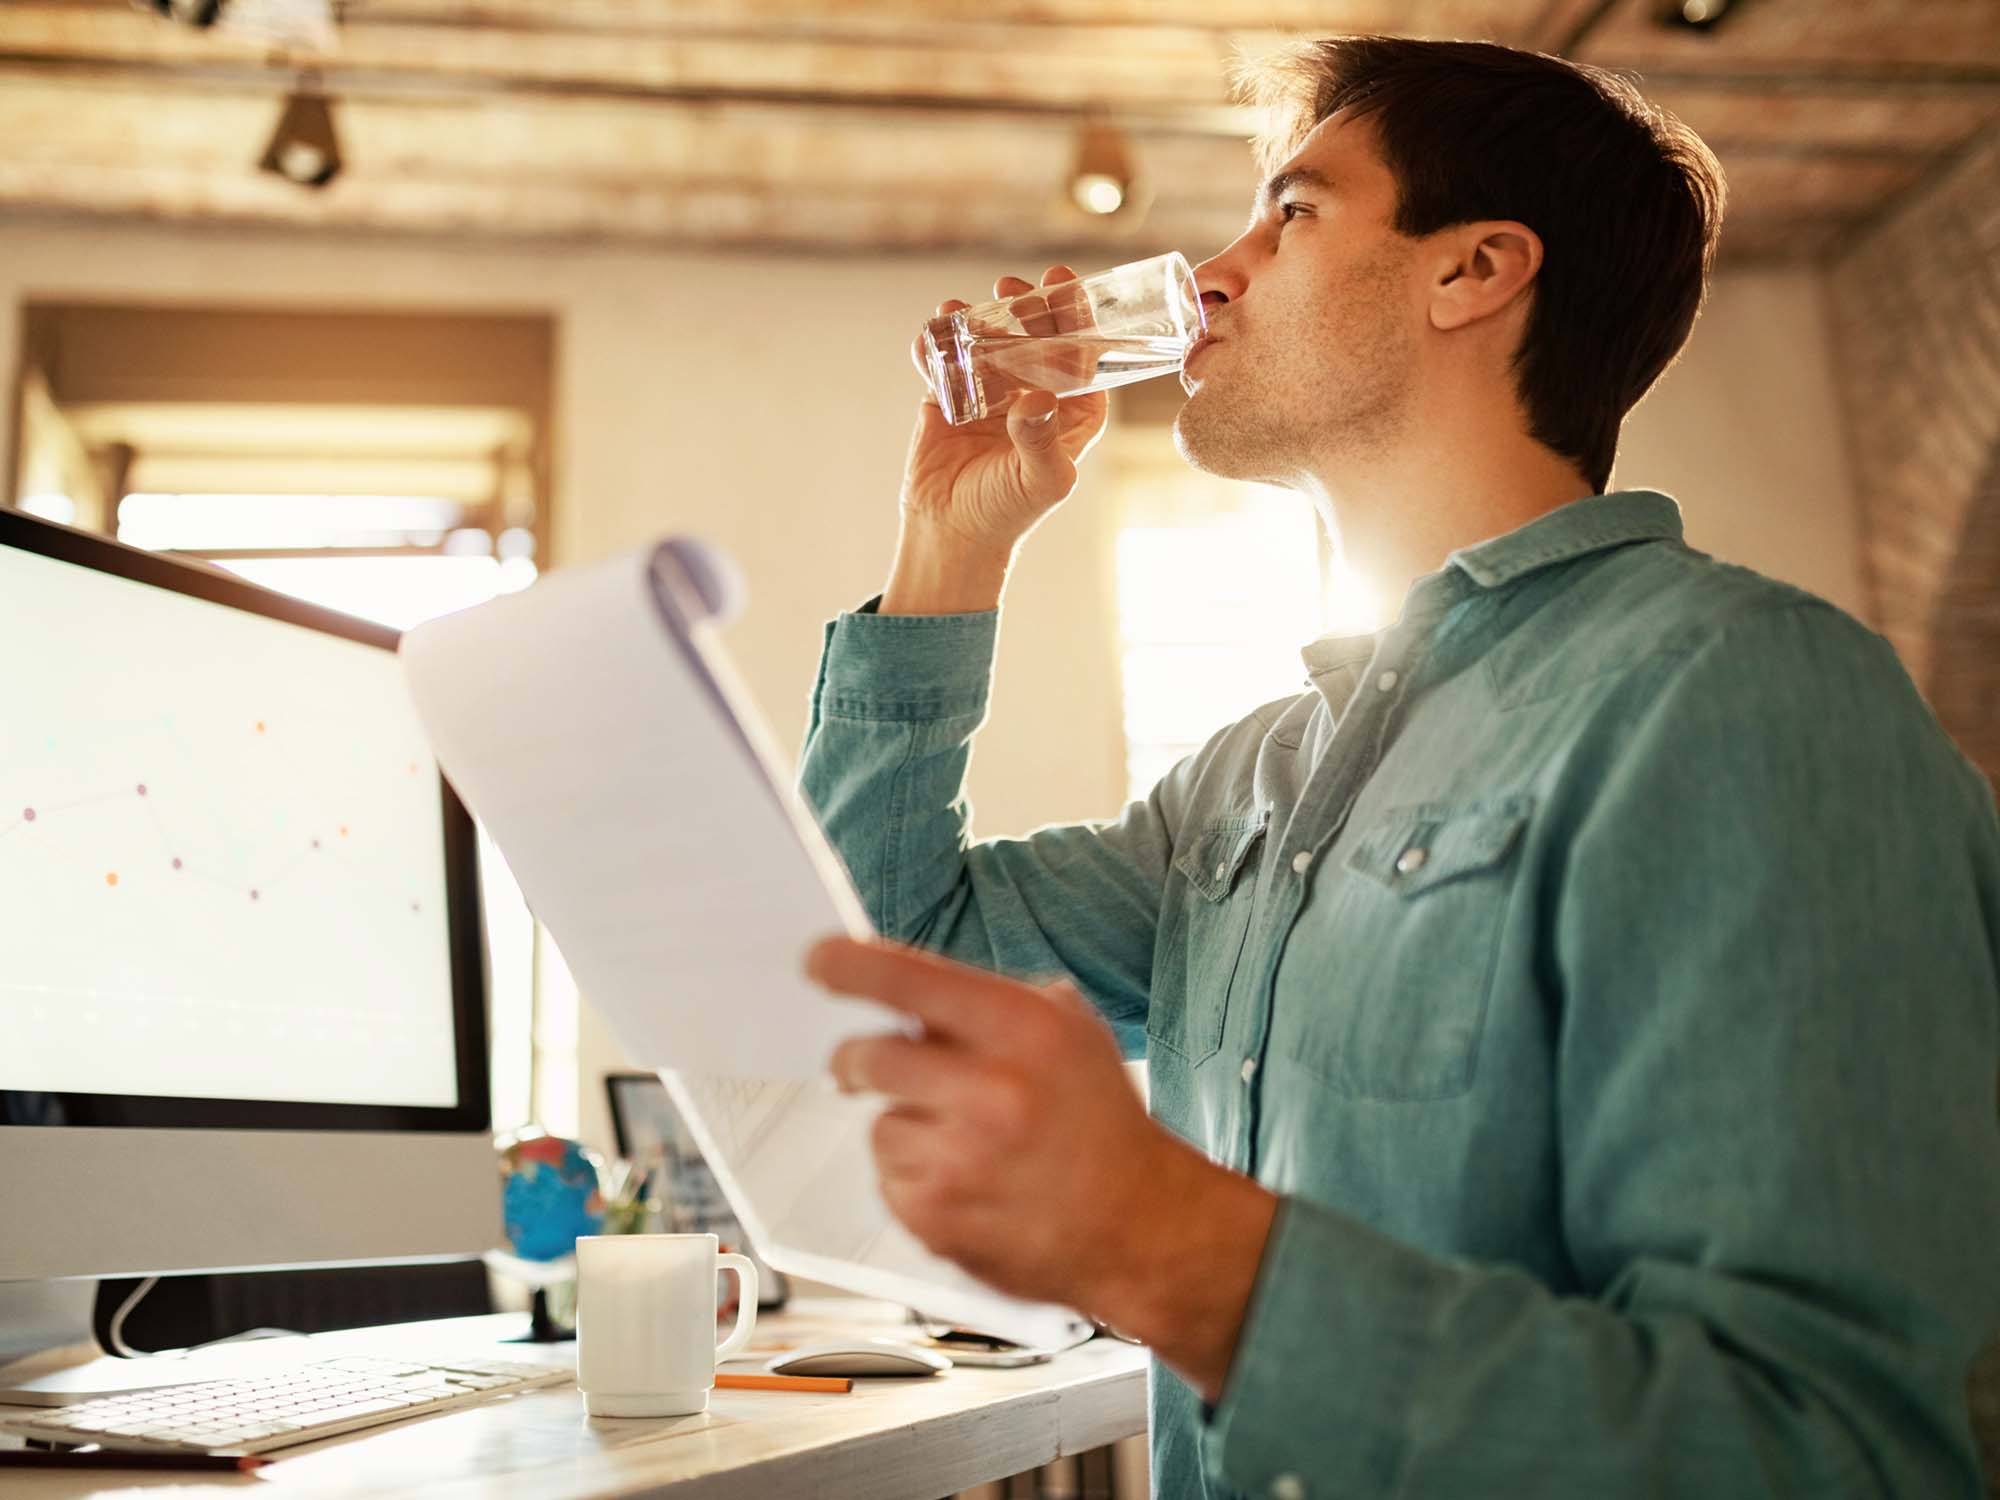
(230, 871)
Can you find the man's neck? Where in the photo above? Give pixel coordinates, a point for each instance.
(1397, 515)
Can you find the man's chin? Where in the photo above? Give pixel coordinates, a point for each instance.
(1206, 439)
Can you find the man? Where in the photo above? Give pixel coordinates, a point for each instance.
(1572, 1023)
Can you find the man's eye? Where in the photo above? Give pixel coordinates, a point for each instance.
(1289, 211)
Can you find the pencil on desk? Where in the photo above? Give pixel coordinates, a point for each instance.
(839, 1384)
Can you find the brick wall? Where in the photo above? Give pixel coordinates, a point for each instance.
(1916, 318)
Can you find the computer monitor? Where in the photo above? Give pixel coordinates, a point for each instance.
(241, 972)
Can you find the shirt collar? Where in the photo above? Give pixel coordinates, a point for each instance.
(1570, 531)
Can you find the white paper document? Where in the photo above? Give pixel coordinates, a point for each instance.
(594, 725)
(585, 722)
(793, 1161)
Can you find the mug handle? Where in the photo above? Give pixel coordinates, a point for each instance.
(746, 1302)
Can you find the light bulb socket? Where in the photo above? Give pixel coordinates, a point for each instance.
(1104, 177)
(198, 13)
(1694, 15)
(304, 148)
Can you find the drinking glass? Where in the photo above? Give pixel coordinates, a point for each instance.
(1129, 323)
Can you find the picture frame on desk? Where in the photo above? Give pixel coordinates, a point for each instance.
(649, 1130)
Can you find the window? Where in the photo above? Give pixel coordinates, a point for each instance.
(399, 559)
(1219, 585)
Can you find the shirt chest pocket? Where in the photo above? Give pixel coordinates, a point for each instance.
(1196, 964)
(1401, 963)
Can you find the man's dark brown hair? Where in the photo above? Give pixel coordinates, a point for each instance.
(1627, 201)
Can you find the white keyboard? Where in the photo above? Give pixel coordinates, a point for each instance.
(298, 1404)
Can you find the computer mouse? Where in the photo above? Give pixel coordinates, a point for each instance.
(859, 1357)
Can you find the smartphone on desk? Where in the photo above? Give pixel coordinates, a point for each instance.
(963, 1346)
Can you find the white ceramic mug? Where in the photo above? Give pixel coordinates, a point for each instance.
(645, 1322)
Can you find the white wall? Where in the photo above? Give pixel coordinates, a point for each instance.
(1745, 432)
(765, 404)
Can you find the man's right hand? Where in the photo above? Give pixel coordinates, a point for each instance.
(971, 492)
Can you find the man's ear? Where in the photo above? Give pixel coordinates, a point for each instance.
(1487, 265)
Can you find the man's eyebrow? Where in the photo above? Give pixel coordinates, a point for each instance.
(1291, 178)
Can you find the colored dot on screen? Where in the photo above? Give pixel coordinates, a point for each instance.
(253, 895)
(260, 726)
(343, 830)
(27, 815)
(177, 862)
(142, 789)
(413, 768)
(315, 843)
(416, 906)
(112, 878)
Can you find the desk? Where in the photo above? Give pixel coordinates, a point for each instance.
(887, 1440)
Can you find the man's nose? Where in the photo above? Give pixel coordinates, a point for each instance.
(1219, 282)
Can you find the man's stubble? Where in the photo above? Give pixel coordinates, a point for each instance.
(1315, 398)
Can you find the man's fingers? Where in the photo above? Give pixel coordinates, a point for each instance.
(929, 1076)
(901, 1140)
(1037, 442)
(968, 1005)
(1070, 308)
(1034, 316)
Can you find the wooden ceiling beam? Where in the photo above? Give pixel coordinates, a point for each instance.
(1157, 69)
(272, 82)
(892, 17)
(1820, 116)
(1164, 81)
(734, 151)
(1788, 186)
(1807, 38)
(1562, 24)
(777, 222)
(841, 126)
(834, 221)
(744, 148)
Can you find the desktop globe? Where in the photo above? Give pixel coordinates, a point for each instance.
(550, 1193)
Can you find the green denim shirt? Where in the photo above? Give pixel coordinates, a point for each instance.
(1600, 962)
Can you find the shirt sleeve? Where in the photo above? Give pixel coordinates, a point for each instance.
(1774, 956)
(897, 702)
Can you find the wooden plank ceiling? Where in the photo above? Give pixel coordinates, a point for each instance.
(836, 126)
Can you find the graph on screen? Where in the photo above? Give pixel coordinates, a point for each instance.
(221, 863)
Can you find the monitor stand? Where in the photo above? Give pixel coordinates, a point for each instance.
(49, 1355)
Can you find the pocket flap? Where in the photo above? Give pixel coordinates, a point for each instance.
(1411, 852)
(1218, 854)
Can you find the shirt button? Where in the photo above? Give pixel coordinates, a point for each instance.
(1288, 1487)
(1385, 683)
(1249, 1069)
(1302, 861)
(1222, 869)
(1411, 859)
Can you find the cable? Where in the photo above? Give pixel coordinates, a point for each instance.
(114, 1335)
